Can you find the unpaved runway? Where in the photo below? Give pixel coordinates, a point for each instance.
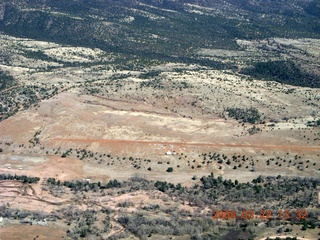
(258, 146)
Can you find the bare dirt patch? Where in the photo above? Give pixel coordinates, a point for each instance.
(22, 232)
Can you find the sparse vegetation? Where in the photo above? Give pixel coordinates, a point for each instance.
(6, 80)
(22, 178)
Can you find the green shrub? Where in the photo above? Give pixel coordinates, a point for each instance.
(170, 169)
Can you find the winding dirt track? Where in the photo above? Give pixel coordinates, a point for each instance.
(22, 190)
(259, 146)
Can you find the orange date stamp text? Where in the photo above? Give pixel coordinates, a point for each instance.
(263, 214)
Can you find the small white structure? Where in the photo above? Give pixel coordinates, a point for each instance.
(87, 180)
(168, 153)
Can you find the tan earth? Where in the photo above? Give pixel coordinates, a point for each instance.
(22, 232)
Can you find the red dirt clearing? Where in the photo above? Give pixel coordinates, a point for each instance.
(258, 146)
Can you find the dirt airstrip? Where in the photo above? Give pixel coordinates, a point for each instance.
(67, 122)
